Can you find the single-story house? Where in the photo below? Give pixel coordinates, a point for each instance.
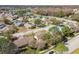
(24, 40)
(18, 23)
(27, 25)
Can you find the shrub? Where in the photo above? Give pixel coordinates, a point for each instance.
(60, 48)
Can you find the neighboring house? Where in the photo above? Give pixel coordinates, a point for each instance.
(21, 41)
(72, 25)
(43, 18)
(46, 21)
(50, 20)
(27, 25)
(20, 19)
(18, 23)
(14, 17)
(31, 20)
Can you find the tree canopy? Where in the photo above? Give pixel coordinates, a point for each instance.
(6, 46)
(60, 48)
(66, 31)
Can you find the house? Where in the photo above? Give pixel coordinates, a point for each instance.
(14, 17)
(21, 41)
(27, 25)
(29, 40)
(46, 21)
(24, 41)
(18, 23)
(31, 20)
(20, 19)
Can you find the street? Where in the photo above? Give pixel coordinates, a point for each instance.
(73, 44)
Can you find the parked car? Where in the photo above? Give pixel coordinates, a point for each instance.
(51, 52)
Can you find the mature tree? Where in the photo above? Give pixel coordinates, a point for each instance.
(54, 30)
(56, 38)
(66, 31)
(5, 46)
(56, 35)
(21, 12)
(9, 33)
(42, 37)
(37, 21)
(6, 21)
(48, 38)
(13, 29)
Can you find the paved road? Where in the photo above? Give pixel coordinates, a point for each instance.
(73, 44)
